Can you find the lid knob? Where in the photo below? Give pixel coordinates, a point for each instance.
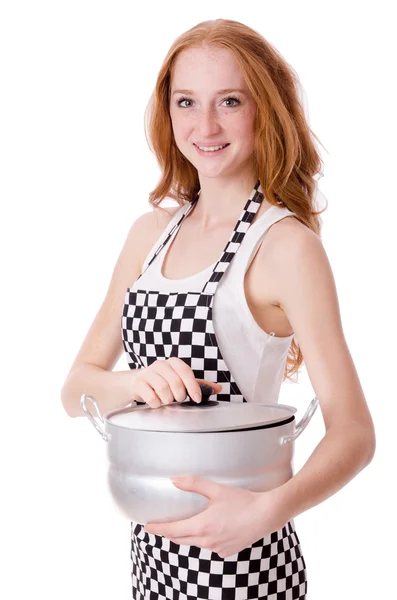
(206, 392)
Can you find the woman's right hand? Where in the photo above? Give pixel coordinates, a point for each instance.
(167, 380)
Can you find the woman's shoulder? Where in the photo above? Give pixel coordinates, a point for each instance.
(155, 220)
(164, 214)
(287, 232)
(150, 225)
(288, 245)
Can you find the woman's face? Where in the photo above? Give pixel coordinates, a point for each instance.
(202, 114)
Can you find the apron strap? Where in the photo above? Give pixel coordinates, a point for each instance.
(243, 224)
(171, 231)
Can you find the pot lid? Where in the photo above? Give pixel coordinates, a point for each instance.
(206, 417)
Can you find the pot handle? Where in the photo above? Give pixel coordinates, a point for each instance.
(303, 423)
(101, 430)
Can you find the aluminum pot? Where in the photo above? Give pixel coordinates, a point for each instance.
(245, 444)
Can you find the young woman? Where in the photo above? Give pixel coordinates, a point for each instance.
(243, 251)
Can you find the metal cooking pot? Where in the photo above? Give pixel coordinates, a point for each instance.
(245, 444)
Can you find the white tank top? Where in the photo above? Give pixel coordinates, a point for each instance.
(255, 358)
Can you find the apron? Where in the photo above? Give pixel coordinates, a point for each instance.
(156, 326)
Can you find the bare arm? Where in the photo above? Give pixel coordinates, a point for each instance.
(304, 288)
(91, 371)
(111, 389)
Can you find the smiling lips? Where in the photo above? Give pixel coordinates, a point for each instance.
(210, 150)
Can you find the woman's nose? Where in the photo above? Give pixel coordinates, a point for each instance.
(208, 123)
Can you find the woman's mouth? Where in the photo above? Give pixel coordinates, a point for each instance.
(211, 150)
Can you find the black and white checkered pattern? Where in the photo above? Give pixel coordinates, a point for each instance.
(158, 325)
(272, 568)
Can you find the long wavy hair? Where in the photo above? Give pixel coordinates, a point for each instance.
(285, 155)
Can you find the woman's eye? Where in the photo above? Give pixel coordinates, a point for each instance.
(233, 100)
(225, 100)
(182, 100)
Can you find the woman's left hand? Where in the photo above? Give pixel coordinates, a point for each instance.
(234, 519)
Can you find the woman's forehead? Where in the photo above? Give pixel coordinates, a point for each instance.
(213, 68)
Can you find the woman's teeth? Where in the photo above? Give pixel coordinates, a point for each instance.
(212, 148)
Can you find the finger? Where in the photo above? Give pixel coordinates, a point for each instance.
(175, 383)
(147, 386)
(217, 387)
(158, 377)
(184, 528)
(199, 485)
(187, 375)
(191, 383)
(191, 541)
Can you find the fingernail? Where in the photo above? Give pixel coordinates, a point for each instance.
(197, 397)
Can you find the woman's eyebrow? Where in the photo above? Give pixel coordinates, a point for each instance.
(226, 91)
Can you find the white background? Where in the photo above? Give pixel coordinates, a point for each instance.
(76, 171)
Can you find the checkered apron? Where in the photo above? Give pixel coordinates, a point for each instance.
(158, 325)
